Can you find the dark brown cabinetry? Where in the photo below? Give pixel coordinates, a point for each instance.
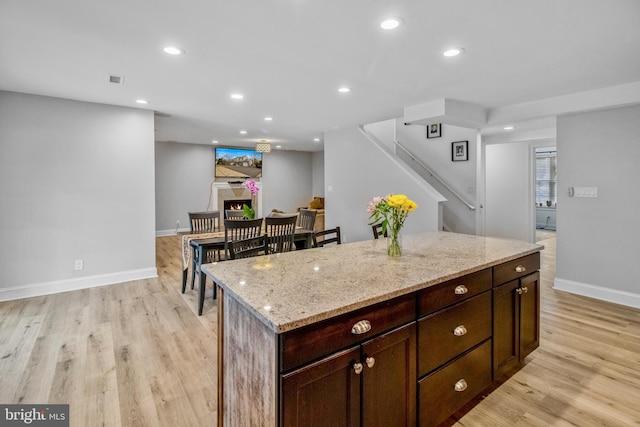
(411, 360)
(454, 345)
(516, 314)
(446, 390)
(369, 384)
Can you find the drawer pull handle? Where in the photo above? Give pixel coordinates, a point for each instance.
(461, 290)
(362, 327)
(370, 361)
(519, 291)
(525, 289)
(521, 269)
(460, 331)
(357, 367)
(461, 385)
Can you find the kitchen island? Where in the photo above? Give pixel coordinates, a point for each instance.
(347, 336)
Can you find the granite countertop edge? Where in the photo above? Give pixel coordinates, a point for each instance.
(301, 320)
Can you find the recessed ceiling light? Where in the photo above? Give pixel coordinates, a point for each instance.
(509, 128)
(344, 90)
(278, 146)
(142, 101)
(268, 119)
(243, 132)
(391, 23)
(316, 139)
(215, 141)
(454, 51)
(237, 96)
(172, 50)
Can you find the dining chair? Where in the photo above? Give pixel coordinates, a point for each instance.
(204, 222)
(377, 230)
(306, 221)
(246, 248)
(328, 236)
(234, 214)
(307, 218)
(238, 229)
(281, 231)
(202, 247)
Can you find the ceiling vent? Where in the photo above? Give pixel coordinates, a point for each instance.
(119, 80)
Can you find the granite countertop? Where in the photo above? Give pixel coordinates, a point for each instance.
(290, 290)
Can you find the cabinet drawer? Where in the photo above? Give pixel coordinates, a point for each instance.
(510, 270)
(452, 291)
(438, 398)
(311, 342)
(449, 332)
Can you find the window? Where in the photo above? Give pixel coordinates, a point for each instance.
(546, 190)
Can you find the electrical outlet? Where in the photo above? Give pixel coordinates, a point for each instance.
(178, 223)
(79, 265)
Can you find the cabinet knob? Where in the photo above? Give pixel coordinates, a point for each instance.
(459, 331)
(461, 290)
(525, 289)
(461, 385)
(519, 291)
(357, 367)
(362, 327)
(370, 361)
(521, 269)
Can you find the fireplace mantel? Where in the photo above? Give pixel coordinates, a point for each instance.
(223, 190)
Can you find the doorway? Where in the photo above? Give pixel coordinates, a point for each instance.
(546, 192)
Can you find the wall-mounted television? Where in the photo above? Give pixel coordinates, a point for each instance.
(233, 162)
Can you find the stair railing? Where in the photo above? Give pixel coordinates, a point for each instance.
(435, 176)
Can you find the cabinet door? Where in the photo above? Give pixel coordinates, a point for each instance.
(325, 393)
(506, 323)
(529, 314)
(389, 379)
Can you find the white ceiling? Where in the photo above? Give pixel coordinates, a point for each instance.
(288, 58)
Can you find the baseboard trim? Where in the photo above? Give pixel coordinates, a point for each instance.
(57, 286)
(172, 232)
(605, 294)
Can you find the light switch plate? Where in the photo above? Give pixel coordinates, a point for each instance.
(586, 191)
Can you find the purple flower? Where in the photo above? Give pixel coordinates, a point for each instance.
(251, 186)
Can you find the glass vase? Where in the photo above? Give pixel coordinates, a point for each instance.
(394, 243)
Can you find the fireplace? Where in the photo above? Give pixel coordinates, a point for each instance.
(223, 192)
(236, 205)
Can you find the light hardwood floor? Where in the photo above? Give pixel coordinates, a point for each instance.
(136, 354)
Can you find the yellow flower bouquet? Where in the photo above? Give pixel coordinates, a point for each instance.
(392, 210)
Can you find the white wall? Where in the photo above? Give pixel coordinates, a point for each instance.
(317, 170)
(355, 172)
(184, 173)
(509, 205)
(183, 183)
(76, 182)
(598, 238)
(435, 153)
(286, 180)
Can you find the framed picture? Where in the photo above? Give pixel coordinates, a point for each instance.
(434, 130)
(459, 151)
